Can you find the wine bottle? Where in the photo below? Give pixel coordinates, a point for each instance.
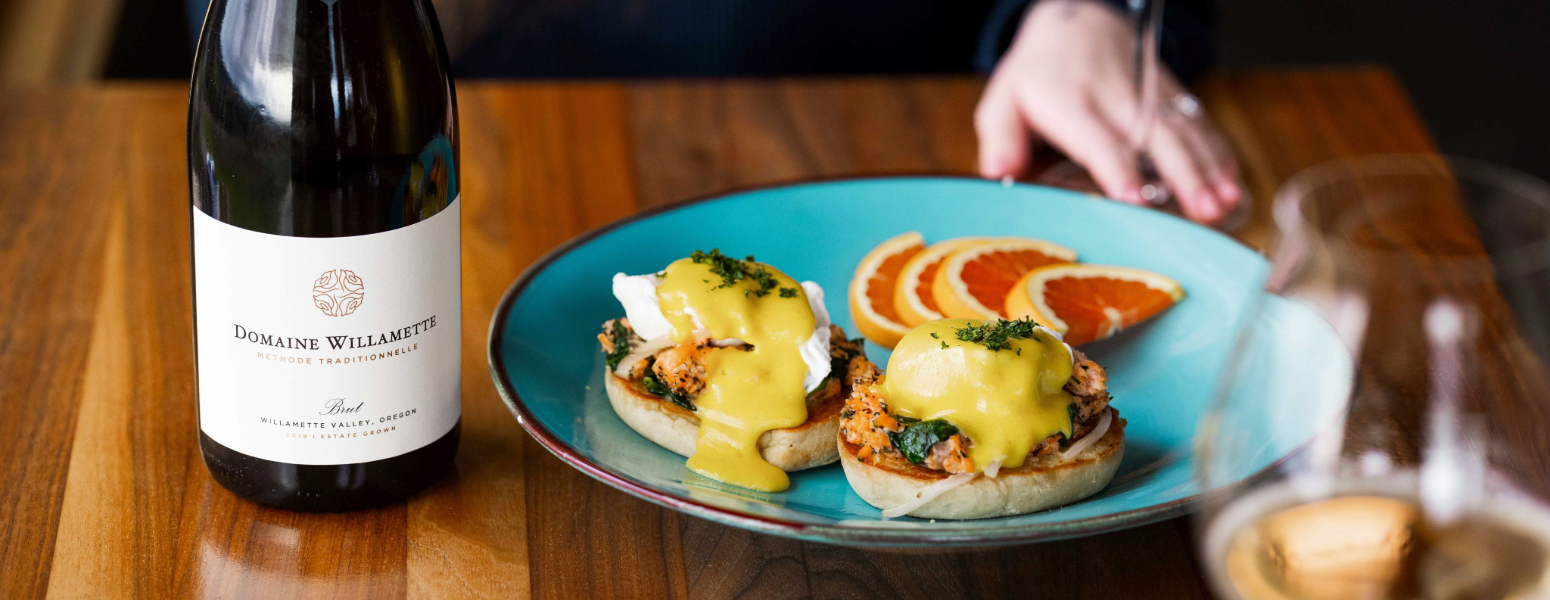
(323, 176)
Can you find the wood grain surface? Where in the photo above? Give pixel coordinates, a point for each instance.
(102, 491)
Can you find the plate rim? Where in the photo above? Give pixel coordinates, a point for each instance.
(848, 535)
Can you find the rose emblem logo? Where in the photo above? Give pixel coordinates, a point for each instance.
(338, 292)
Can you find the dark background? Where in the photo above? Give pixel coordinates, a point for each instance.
(1479, 72)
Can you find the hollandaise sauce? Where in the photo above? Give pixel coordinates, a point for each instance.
(747, 391)
(1005, 400)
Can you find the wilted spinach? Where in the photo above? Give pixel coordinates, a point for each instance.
(917, 437)
(656, 387)
(621, 340)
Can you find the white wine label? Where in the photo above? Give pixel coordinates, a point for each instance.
(324, 351)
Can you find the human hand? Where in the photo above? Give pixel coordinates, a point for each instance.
(1069, 79)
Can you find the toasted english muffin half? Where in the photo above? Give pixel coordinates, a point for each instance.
(805, 446)
(1041, 482)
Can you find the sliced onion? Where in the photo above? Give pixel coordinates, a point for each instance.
(1092, 437)
(646, 349)
(704, 334)
(927, 494)
(994, 468)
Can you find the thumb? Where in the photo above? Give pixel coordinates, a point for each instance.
(1005, 142)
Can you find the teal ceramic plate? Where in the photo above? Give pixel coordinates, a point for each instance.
(545, 360)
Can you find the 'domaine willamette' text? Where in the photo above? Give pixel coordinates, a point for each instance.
(336, 342)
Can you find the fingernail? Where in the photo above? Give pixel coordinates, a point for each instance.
(1131, 194)
(1210, 207)
(1228, 190)
(999, 166)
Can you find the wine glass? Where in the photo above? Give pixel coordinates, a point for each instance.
(1146, 18)
(1152, 109)
(1382, 429)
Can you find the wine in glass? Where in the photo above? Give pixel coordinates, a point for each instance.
(1383, 428)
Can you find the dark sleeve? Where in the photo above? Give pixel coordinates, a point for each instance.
(1186, 34)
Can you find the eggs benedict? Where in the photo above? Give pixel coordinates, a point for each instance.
(977, 419)
(732, 364)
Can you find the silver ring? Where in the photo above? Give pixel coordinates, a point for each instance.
(1186, 104)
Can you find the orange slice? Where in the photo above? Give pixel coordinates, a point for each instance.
(912, 299)
(872, 288)
(1091, 302)
(973, 282)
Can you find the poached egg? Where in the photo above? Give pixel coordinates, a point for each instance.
(638, 294)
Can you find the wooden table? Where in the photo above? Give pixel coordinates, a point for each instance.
(102, 491)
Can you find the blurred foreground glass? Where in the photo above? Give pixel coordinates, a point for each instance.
(1383, 428)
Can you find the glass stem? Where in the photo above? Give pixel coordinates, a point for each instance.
(1147, 16)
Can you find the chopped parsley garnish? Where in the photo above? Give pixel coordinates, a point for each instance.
(621, 339)
(998, 335)
(733, 271)
(656, 387)
(917, 437)
(933, 335)
(944, 345)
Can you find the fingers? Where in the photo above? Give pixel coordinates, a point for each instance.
(1064, 55)
(1068, 85)
(1216, 157)
(1213, 158)
(1090, 140)
(1182, 169)
(1006, 142)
